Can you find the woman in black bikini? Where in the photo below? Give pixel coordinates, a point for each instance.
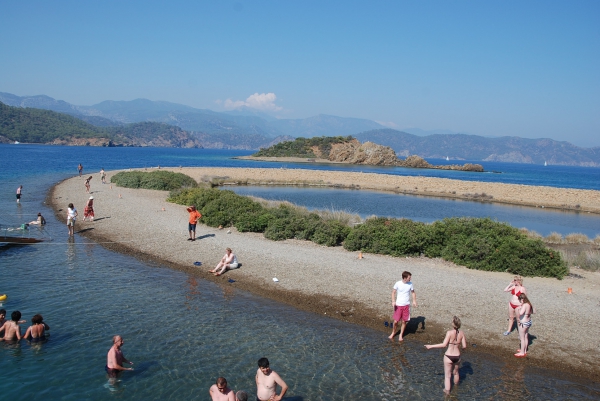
(452, 356)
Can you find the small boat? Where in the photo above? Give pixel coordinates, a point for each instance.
(17, 142)
(19, 240)
(545, 163)
(447, 159)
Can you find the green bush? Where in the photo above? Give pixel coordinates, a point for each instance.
(160, 180)
(330, 233)
(388, 236)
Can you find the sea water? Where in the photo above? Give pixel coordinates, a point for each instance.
(183, 332)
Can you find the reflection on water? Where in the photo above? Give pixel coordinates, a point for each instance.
(428, 209)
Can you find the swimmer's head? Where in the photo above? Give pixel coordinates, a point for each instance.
(241, 396)
(15, 316)
(37, 319)
(263, 363)
(456, 322)
(3, 312)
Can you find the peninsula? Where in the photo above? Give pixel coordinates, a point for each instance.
(141, 223)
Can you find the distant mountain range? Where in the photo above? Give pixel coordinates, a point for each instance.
(247, 129)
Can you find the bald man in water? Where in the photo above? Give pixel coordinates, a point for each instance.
(115, 358)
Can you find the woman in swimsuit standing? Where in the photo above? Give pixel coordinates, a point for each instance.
(516, 288)
(452, 356)
(525, 311)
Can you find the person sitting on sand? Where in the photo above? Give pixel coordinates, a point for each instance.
(453, 338)
(11, 328)
(37, 331)
(525, 312)
(220, 391)
(516, 288)
(41, 221)
(228, 261)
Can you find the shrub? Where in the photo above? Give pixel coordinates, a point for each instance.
(330, 233)
(577, 238)
(388, 236)
(159, 180)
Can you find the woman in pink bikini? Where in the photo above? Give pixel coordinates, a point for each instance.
(516, 288)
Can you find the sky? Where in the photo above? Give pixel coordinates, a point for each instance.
(492, 68)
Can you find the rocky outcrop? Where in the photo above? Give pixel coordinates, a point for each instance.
(366, 153)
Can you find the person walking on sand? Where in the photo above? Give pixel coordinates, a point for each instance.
(87, 184)
(102, 175)
(195, 216)
(115, 358)
(401, 302)
(267, 381)
(228, 261)
(19, 190)
(220, 392)
(71, 217)
(80, 169)
(516, 288)
(452, 356)
(525, 312)
(88, 211)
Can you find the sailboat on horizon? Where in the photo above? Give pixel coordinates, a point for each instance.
(545, 163)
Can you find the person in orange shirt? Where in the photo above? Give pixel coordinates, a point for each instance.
(195, 215)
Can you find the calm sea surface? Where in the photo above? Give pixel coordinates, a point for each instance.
(183, 332)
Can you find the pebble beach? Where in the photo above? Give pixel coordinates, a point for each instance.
(337, 283)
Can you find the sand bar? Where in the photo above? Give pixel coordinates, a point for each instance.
(335, 282)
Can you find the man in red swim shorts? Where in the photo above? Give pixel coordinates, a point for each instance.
(401, 303)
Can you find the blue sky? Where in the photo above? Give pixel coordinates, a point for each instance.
(492, 68)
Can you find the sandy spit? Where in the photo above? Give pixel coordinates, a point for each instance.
(337, 283)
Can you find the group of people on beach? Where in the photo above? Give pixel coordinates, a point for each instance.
(10, 330)
(519, 308)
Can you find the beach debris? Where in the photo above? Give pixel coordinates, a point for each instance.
(275, 279)
(386, 324)
(228, 231)
(119, 196)
(198, 263)
(569, 290)
(360, 255)
(231, 280)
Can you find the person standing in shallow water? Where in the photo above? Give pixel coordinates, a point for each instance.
(220, 392)
(267, 381)
(401, 302)
(80, 169)
(453, 339)
(115, 358)
(19, 190)
(71, 217)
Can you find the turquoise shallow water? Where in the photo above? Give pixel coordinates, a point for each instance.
(183, 332)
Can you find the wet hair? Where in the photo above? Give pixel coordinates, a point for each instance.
(456, 322)
(263, 363)
(406, 274)
(115, 337)
(221, 381)
(3, 312)
(37, 319)
(15, 316)
(241, 396)
(71, 206)
(519, 279)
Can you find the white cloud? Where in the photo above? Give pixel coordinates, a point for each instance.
(258, 101)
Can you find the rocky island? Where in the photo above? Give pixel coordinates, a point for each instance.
(346, 150)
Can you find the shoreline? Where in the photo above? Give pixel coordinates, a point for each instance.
(336, 283)
(566, 199)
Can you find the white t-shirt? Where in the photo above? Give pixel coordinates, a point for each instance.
(403, 291)
(71, 213)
